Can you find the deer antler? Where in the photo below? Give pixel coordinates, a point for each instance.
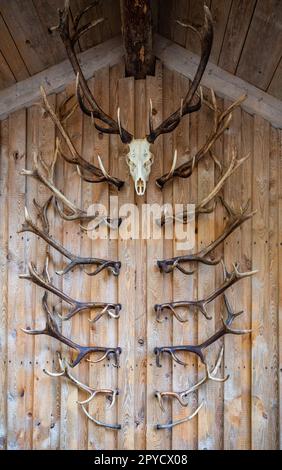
(76, 159)
(69, 39)
(236, 218)
(45, 174)
(29, 226)
(112, 309)
(201, 207)
(183, 420)
(205, 33)
(229, 279)
(52, 329)
(221, 123)
(182, 396)
(109, 393)
(200, 348)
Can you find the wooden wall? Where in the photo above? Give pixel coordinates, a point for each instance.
(40, 412)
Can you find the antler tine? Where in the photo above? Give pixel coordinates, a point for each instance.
(205, 34)
(181, 421)
(83, 91)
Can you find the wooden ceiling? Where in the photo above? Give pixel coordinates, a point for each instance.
(248, 35)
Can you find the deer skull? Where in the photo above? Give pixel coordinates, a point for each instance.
(139, 160)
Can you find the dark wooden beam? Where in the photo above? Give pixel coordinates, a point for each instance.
(136, 20)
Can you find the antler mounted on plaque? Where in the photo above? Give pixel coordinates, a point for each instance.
(139, 157)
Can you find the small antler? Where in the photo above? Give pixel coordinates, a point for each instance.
(200, 348)
(52, 329)
(112, 309)
(229, 279)
(221, 123)
(182, 396)
(236, 218)
(92, 392)
(30, 226)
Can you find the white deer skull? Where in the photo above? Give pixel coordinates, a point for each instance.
(139, 160)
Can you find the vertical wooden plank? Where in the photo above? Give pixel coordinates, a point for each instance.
(101, 375)
(206, 283)
(156, 378)
(71, 283)
(273, 364)
(232, 254)
(247, 123)
(183, 287)
(141, 286)
(126, 285)
(220, 216)
(280, 287)
(116, 73)
(41, 139)
(261, 338)
(16, 385)
(4, 166)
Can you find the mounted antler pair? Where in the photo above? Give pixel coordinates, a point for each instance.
(139, 157)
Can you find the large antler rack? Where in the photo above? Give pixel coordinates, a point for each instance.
(100, 174)
(112, 309)
(235, 219)
(52, 329)
(200, 349)
(45, 174)
(230, 278)
(182, 397)
(203, 206)
(221, 123)
(70, 35)
(109, 393)
(30, 226)
(189, 104)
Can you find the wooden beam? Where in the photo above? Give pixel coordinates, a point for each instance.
(223, 83)
(57, 77)
(136, 19)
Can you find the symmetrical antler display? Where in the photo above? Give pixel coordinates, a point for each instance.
(221, 123)
(52, 329)
(203, 206)
(235, 219)
(230, 278)
(112, 266)
(199, 349)
(112, 309)
(45, 174)
(182, 397)
(109, 393)
(139, 158)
